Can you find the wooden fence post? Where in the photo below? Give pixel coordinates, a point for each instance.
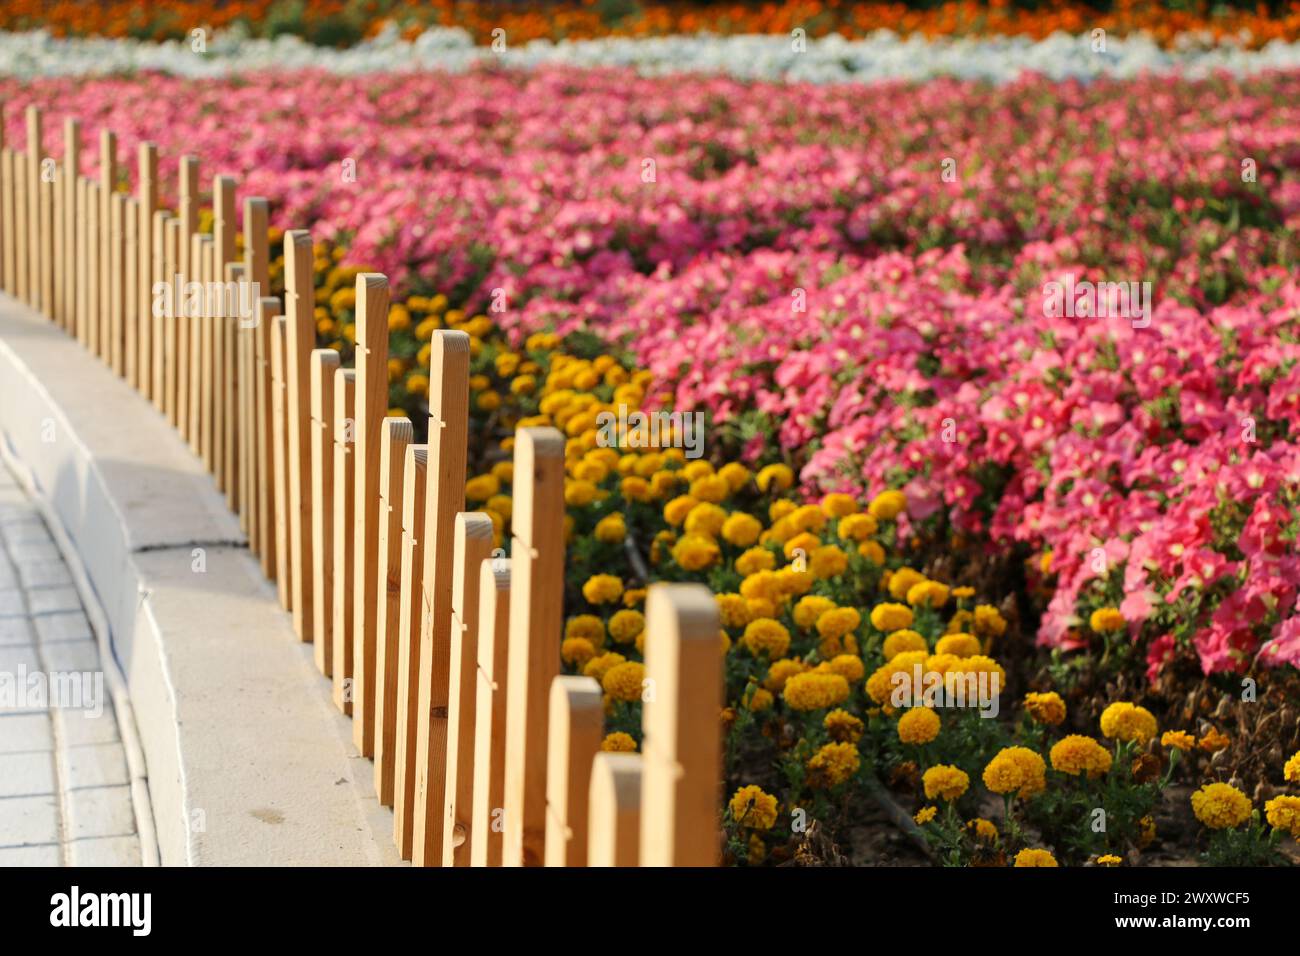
(147, 198)
(223, 245)
(485, 831)
(130, 223)
(682, 743)
(408, 648)
(48, 175)
(81, 304)
(7, 201)
(257, 261)
(372, 406)
(19, 178)
(472, 546)
(33, 187)
(71, 173)
(445, 498)
(615, 807)
(577, 725)
(187, 175)
(299, 306)
(345, 400)
(176, 340)
(115, 353)
(201, 257)
(162, 330)
(536, 611)
(396, 437)
(229, 325)
(324, 363)
(92, 268)
(269, 312)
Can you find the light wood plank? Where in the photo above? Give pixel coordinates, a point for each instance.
(299, 303)
(408, 650)
(269, 312)
(345, 401)
(486, 832)
(577, 722)
(324, 363)
(616, 812)
(146, 198)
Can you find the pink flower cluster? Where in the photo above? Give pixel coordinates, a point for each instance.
(852, 277)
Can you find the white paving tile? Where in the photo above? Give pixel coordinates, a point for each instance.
(62, 626)
(47, 854)
(32, 530)
(16, 630)
(94, 765)
(108, 851)
(76, 728)
(100, 812)
(25, 821)
(12, 603)
(25, 733)
(39, 574)
(26, 774)
(52, 600)
(81, 656)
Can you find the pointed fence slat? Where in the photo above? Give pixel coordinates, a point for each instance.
(408, 647)
(162, 353)
(32, 187)
(536, 609)
(371, 407)
(324, 363)
(616, 809)
(472, 546)
(208, 437)
(445, 498)
(176, 339)
(269, 313)
(345, 499)
(397, 435)
(485, 832)
(71, 173)
(117, 284)
(228, 321)
(257, 260)
(577, 724)
(147, 198)
(299, 302)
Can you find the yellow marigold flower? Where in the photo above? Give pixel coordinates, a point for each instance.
(1046, 708)
(848, 666)
(486, 401)
(675, 511)
(813, 690)
(891, 617)
(1178, 740)
(626, 625)
(902, 641)
(755, 560)
(857, 527)
(979, 664)
(838, 622)
(579, 493)
(792, 582)
(592, 471)
(695, 552)
(982, 831)
(424, 331)
(633, 488)
(1221, 806)
(834, 764)
(633, 596)
(1283, 813)
(741, 530)
(960, 645)
(603, 588)
(988, 622)
(618, 742)
(925, 815)
(1127, 722)
(1109, 859)
(944, 782)
(417, 384)
(611, 529)
(962, 593)
(760, 607)
(1291, 770)
(1146, 831)
(843, 726)
(700, 468)
(1016, 770)
(482, 487)
(809, 608)
(711, 488)
(501, 504)
(733, 609)
(880, 683)
(576, 650)
(754, 808)
(887, 505)
(1213, 740)
(766, 638)
(828, 561)
(1106, 619)
(778, 476)
(523, 384)
(780, 509)
(706, 519)
(920, 725)
(804, 542)
(837, 505)
(761, 699)
(598, 667)
(586, 626)
(928, 594)
(780, 672)
(1077, 754)
(623, 681)
(872, 551)
(1032, 857)
(902, 581)
(736, 474)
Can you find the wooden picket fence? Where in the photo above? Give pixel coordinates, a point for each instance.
(446, 657)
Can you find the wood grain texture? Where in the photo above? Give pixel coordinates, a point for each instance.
(345, 400)
(299, 303)
(408, 648)
(615, 810)
(269, 312)
(486, 825)
(324, 363)
(576, 728)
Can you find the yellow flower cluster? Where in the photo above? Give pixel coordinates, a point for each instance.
(1128, 722)
(1016, 770)
(752, 807)
(1221, 806)
(1077, 754)
(944, 782)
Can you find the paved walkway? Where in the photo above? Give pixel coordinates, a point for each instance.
(65, 795)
